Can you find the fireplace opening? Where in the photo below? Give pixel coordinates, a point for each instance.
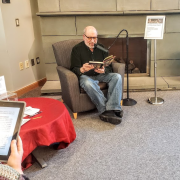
(137, 52)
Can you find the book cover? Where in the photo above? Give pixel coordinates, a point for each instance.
(96, 64)
(106, 62)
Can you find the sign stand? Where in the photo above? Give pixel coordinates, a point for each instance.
(154, 30)
(155, 100)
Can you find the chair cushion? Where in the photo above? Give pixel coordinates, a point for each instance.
(102, 85)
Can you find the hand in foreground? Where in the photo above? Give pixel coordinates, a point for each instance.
(15, 157)
(100, 70)
(86, 67)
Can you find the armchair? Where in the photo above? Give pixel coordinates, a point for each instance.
(75, 98)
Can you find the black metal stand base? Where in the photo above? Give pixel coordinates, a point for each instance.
(129, 102)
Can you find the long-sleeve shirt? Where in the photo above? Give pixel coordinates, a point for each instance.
(8, 173)
(81, 54)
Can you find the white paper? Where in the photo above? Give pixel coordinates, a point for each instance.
(8, 118)
(25, 121)
(29, 111)
(154, 27)
(2, 85)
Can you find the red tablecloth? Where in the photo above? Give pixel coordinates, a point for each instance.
(55, 125)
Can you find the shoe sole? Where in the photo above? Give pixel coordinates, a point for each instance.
(112, 121)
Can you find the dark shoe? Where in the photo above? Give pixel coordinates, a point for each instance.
(109, 116)
(119, 113)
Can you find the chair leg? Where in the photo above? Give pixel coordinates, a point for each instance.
(121, 102)
(75, 115)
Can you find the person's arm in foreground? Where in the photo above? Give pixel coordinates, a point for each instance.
(13, 168)
(15, 157)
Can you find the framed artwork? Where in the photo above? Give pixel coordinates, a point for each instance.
(5, 1)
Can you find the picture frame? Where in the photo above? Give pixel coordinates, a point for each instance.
(5, 1)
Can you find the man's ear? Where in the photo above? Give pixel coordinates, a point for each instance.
(84, 37)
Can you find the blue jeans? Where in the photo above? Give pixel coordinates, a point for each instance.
(90, 85)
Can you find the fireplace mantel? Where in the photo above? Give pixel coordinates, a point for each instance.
(109, 13)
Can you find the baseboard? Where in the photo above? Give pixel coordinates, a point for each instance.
(30, 87)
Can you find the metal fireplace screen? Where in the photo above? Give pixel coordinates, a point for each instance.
(137, 52)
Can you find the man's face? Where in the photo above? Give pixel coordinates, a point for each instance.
(90, 38)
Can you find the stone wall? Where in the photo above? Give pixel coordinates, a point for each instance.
(66, 19)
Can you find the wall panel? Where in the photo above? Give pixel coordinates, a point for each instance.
(167, 48)
(165, 4)
(48, 6)
(86, 5)
(166, 68)
(172, 23)
(47, 45)
(51, 72)
(112, 25)
(124, 5)
(64, 25)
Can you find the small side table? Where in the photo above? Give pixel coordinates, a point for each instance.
(53, 125)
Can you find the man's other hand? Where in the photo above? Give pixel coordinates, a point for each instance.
(86, 67)
(100, 70)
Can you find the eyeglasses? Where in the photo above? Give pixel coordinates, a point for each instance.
(90, 38)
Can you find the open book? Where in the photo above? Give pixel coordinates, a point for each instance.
(106, 62)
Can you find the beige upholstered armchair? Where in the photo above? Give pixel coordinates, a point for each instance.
(73, 96)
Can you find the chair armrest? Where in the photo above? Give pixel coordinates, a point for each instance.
(69, 85)
(119, 68)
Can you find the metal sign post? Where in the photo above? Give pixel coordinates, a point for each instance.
(155, 30)
(155, 100)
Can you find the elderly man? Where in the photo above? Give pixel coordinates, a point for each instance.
(109, 108)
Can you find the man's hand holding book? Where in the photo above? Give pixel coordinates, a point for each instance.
(106, 62)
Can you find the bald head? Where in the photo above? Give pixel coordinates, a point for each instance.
(90, 29)
(90, 36)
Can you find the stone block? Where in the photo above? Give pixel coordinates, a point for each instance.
(48, 6)
(173, 82)
(166, 68)
(144, 83)
(86, 5)
(164, 4)
(112, 25)
(167, 48)
(128, 5)
(64, 25)
(47, 45)
(51, 87)
(51, 72)
(172, 23)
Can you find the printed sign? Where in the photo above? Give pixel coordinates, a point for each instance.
(2, 85)
(154, 27)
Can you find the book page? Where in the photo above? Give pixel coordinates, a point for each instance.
(8, 118)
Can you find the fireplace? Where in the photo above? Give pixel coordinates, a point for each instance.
(138, 64)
